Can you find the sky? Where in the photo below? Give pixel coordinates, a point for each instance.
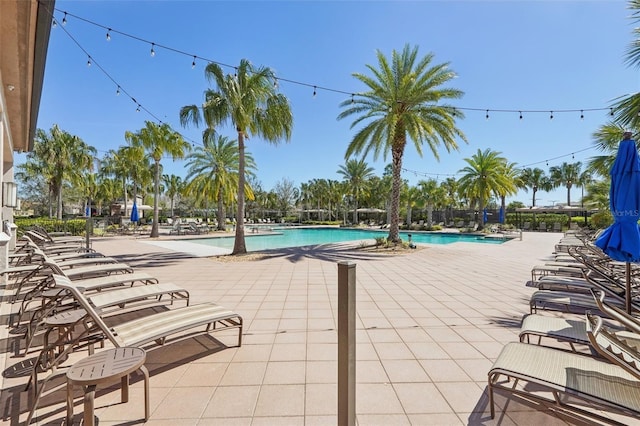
(524, 56)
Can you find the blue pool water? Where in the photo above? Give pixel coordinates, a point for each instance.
(296, 237)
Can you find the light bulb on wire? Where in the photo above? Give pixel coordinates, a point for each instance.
(193, 64)
(89, 61)
(581, 115)
(153, 52)
(54, 23)
(551, 116)
(109, 34)
(64, 19)
(314, 91)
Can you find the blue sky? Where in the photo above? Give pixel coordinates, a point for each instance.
(510, 55)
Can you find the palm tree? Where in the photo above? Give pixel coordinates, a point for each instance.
(158, 140)
(597, 195)
(213, 171)
(513, 180)
(626, 107)
(450, 188)
(67, 158)
(356, 173)
(174, 186)
(566, 174)
(404, 101)
(412, 198)
(537, 180)
(606, 139)
(247, 99)
(483, 176)
(432, 194)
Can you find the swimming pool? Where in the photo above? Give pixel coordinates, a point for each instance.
(296, 237)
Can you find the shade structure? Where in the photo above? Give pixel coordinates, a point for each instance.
(134, 213)
(501, 215)
(621, 240)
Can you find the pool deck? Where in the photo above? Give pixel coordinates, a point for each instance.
(429, 325)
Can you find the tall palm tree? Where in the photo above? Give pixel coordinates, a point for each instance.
(484, 176)
(173, 187)
(159, 140)
(536, 179)
(248, 99)
(213, 171)
(356, 173)
(626, 107)
(566, 174)
(67, 158)
(405, 100)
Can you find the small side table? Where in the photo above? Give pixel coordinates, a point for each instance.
(101, 368)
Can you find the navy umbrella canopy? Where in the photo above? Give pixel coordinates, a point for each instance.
(621, 240)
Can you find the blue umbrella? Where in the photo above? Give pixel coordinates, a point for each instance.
(485, 218)
(501, 215)
(134, 213)
(621, 240)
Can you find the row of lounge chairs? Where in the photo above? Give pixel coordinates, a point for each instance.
(586, 361)
(101, 300)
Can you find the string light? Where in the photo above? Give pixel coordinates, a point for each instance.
(193, 64)
(109, 34)
(611, 112)
(551, 116)
(487, 115)
(314, 91)
(520, 114)
(54, 23)
(138, 109)
(352, 100)
(316, 87)
(153, 52)
(581, 115)
(64, 19)
(118, 91)
(89, 61)
(275, 83)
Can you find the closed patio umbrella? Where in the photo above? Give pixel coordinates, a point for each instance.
(501, 215)
(621, 240)
(134, 214)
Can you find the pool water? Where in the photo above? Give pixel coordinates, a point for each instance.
(296, 237)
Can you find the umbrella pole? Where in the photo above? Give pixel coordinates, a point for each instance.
(628, 292)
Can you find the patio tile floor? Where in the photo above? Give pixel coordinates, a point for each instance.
(430, 323)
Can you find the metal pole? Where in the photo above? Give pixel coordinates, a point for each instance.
(346, 343)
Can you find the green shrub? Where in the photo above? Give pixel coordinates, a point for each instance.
(601, 220)
(67, 226)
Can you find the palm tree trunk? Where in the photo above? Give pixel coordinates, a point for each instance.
(220, 213)
(239, 246)
(124, 191)
(534, 197)
(430, 215)
(59, 213)
(568, 195)
(156, 193)
(394, 229)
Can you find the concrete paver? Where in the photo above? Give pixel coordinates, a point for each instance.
(430, 323)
